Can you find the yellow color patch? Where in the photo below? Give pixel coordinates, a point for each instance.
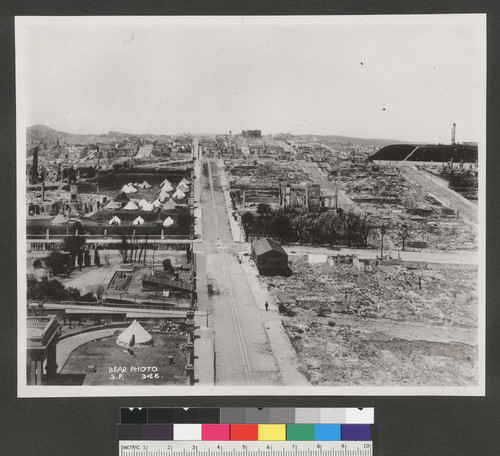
(272, 431)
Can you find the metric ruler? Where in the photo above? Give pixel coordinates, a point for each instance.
(244, 448)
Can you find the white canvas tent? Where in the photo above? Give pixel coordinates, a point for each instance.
(129, 188)
(156, 203)
(169, 205)
(184, 181)
(168, 222)
(131, 206)
(179, 194)
(138, 221)
(163, 196)
(135, 334)
(145, 184)
(115, 221)
(142, 202)
(112, 205)
(167, 183)
(148, 207)
(59, 219)
(183, 188)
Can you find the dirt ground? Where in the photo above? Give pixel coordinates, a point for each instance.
(391, 326)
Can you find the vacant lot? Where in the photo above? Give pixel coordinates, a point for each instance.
(390, 326)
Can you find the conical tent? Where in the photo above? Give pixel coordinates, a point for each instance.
(59, 219)
(168, 222)
(135, 334)
(183, 188)
(166, 182)
(184, 181)
(112, 205)
(148, 207)
(138, 221)
(129, 189)
(142, 202)
(145, 184)
(115, 221)
(156, 203)
(131, 206)
(179, 194)
(169, 205)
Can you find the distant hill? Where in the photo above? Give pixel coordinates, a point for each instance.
(44, 133)
(353, 140)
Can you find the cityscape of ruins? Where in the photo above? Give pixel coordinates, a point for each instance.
(250, 258)
(189, 217)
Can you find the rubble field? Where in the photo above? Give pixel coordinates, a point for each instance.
(380, 328)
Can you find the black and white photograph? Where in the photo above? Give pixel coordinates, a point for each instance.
(252, 205)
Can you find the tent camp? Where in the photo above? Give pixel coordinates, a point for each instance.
(135, 334)
(128, 188)
(183, 188)
(112, 205)
(138, 221)
(156, 203)
(131, 206)
(184, 181)
(115, 221)
(141, 203)
(59, 219)
(168, 222)
(179, 194)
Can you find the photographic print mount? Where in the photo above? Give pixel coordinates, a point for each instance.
(219, 239)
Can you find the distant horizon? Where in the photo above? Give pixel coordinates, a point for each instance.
(234, 133)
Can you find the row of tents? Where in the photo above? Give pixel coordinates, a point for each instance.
(166, 187)
(116, 221)
(141, 205)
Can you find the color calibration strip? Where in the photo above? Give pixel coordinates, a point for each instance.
(233, 415)
(244, 432)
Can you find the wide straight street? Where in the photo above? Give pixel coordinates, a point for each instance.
(243, 354)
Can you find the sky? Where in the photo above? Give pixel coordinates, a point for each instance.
(392, 77)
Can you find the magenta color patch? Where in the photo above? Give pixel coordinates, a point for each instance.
(215, 432)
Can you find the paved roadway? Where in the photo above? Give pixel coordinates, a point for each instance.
(243, 355)
(466, 209)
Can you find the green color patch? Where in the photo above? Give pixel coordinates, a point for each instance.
(300, 431)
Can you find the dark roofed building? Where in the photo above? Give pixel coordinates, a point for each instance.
(269, 257)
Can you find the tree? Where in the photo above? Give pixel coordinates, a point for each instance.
(97, 259)
(72, 244)
(404, 233)
(264, 209)
(86, 259)
(80, 260)
(167, 264)
(282, 227)
(365, 227)
(57, 262)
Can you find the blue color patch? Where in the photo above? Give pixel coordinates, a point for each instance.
(327, 432)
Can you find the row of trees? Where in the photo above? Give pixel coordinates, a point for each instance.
(46, 288)
(331, 227)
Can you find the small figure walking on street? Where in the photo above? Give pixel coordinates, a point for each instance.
(266, 305)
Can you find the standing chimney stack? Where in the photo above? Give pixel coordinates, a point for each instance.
(453, 132)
